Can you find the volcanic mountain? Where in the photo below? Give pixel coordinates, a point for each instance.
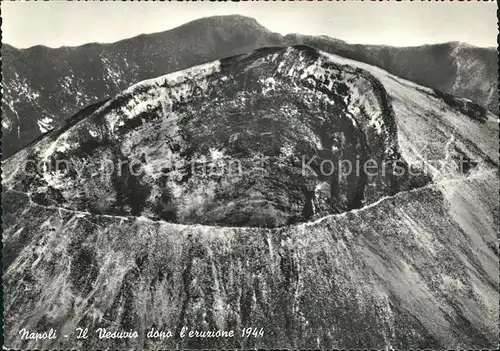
(45, 86)
(317, 260)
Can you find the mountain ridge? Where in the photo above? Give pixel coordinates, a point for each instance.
(78, 76)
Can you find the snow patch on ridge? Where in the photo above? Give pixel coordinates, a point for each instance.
(45, 124)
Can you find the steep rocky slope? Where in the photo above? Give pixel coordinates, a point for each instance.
(411, 263)
(44, 86)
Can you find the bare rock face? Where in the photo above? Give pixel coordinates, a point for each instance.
(316, 261)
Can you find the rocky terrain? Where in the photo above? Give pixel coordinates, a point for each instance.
(45, 86)
(355, 261)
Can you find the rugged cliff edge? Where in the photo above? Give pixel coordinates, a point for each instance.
(403, 262)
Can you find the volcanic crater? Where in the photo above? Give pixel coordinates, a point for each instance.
(265, 139)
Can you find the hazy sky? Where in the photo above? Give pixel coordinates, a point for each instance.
(59, 23)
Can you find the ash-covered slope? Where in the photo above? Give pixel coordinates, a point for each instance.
(44, 86)
(411, 262)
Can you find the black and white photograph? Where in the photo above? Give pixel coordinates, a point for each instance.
(250, 175)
